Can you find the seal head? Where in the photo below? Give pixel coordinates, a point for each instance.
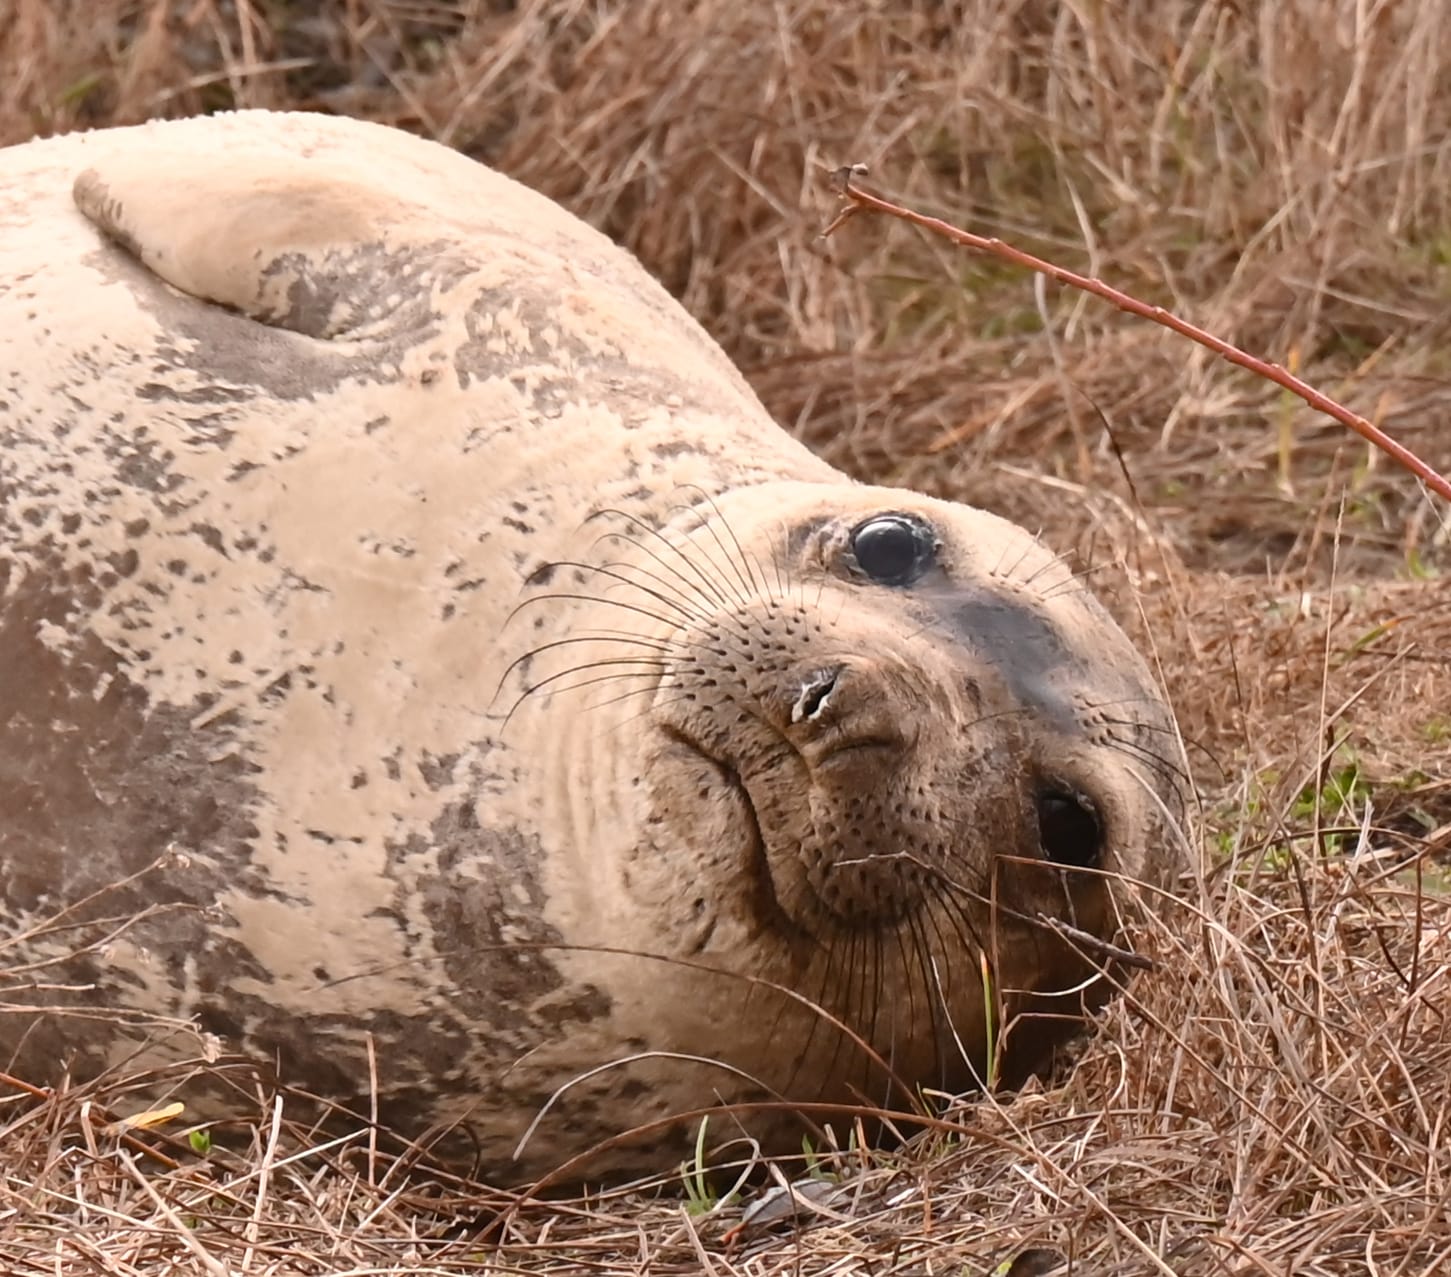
(911, 757)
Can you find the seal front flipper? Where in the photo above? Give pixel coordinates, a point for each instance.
(287, 246)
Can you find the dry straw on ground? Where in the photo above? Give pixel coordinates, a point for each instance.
(1272, 1098)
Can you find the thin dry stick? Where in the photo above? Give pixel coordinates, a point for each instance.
(178, 1225)
(264, 1180)
(859, 199)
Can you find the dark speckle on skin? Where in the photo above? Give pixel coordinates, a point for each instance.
(290, 357)
(79, 819)
(325, 299)
(437, 772)
(125, 563)
(486, 910)
(211, 537)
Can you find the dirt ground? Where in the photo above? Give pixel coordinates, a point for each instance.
(1278, 171)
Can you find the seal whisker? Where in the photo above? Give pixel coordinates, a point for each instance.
(843, 1009)
(1159, 762)
(637, 668)
(650, 709)
(957, 1044)
(1026, 548)
(1071, 582)
(754, 587)
(655, 662)
(945, 994)
(922, 952)
(670, 622)
(596, 637)
(822, 960)
(740, 589)
(1089, 704)
(1074, 583)
(863, 995)
(1174, 734)
(779, 560)
(610, 572)
(1066, 590)
(962, 924)
(715, 591)
(996, 571)
(932, 917)
(864, 991)
(863, 1000)
(634, 1058)
(533, 688)
(622, 676)
(894, 1007)
(1144, 725)
(623, 637)
(1049, 563)
(689, 608)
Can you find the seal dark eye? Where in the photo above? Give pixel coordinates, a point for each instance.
(1069, 830)
(893, 549)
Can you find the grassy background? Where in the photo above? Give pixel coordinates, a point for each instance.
(1279, 171)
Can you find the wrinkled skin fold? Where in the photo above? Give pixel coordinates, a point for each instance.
(416, 632)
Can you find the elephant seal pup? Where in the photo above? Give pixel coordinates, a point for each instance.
(425, 661)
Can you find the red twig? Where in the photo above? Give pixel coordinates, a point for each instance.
(859, 199)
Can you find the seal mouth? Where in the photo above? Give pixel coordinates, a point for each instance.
(757, 862)
(837, 764)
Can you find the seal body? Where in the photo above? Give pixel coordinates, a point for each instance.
(430, 674)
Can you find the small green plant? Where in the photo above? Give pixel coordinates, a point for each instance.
(989, 1023)
(1370, 636)
(1338, 798)
(1436, 730)
(1417, 569)
(811, 1159)
(1342, 788)
(822, 1166)
(700, 1197)
(76, 93)
(200, 1141)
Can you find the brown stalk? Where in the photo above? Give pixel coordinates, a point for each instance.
(858, 199)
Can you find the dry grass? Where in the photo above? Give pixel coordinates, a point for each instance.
(1271, 1099)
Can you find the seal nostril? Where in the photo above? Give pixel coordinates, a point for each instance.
(1069, 830)
(815, 695)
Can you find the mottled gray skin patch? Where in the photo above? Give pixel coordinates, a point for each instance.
(314, 648)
